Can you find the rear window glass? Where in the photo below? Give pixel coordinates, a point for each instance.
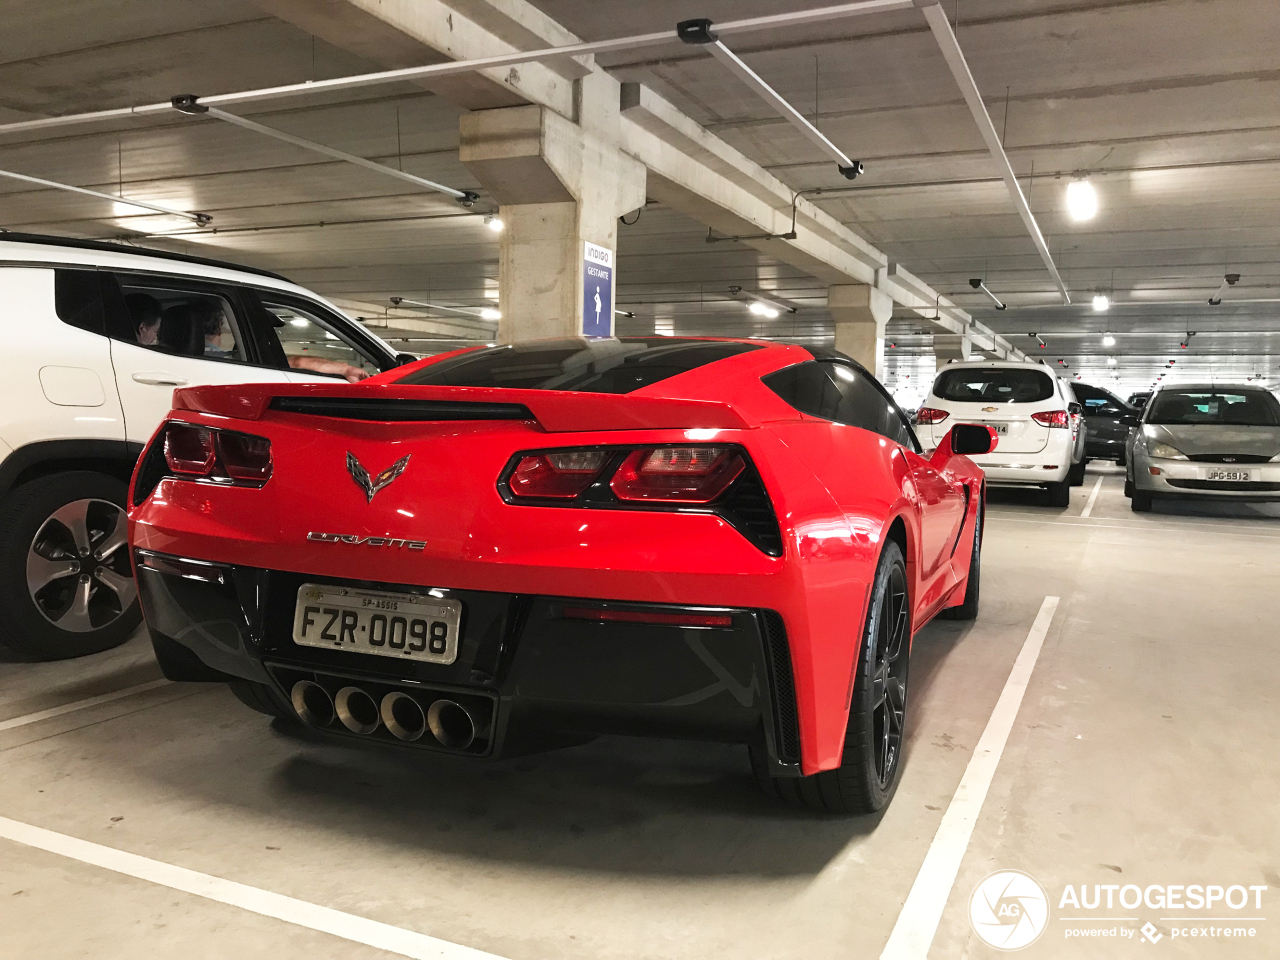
(998, 384)
(77, 298)
(1248, 408)
(592, 366)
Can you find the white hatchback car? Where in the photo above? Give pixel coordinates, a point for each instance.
(1034, 413)
(98, 336)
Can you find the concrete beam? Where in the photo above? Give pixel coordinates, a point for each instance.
(411, 33)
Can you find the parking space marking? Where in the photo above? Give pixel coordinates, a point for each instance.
(348, 926)
(81, 704)
(1104, 524)
(1093, 496)
(918, 921)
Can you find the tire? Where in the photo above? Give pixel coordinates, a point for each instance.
(1075, 477)
(1140, 502)
(871, 765)
(968, 610)
(260, 697)
(66, 584)
(1121, 461)
(1058, 494)
(1128, 487)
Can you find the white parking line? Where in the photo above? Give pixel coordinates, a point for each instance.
(1093, 496)
(80, 704)
(917, 923)
(348, 926)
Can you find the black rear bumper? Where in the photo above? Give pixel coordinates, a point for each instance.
(550, 679)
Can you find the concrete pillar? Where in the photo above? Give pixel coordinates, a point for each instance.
(950, 346)
(560, 185)
(860, 313)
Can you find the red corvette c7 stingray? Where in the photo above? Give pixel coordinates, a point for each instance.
(517, 547)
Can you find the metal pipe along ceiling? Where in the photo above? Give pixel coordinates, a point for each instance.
(753, 24)
(951, 52)
(199, 218)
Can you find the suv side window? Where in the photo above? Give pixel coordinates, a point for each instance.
(77, 298)
(177, 316)
(297, 333)
(843, 394)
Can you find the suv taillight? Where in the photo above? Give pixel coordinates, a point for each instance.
(931, 415)
(195, 451)
(1052, 418)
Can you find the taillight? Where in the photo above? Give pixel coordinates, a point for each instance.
(931, 415)
(191, 450)
(560, 475)
(677, 474)
(244, 456)
(188, 449)
(1052, 418)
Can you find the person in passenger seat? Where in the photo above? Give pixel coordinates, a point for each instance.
(144, 310)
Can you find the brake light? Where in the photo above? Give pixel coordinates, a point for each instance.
(188, 449)
(562, 475)
(931, 415)
(1052, 418)
(677, 474)
(191, 450)
(645, 616)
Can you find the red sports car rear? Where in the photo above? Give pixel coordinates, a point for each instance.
(521, 547)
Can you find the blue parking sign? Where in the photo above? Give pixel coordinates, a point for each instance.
(597, 291)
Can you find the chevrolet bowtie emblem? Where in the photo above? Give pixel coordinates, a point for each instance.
(990, 409)
(371, 485)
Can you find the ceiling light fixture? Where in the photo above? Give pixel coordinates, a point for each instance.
(1111, 361)
(1101, 303)
(762, 309)
(494, 223)
(1082, 200)
(1108, 340)
(488, 313)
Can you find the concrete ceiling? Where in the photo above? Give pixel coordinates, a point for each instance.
(1171, 108)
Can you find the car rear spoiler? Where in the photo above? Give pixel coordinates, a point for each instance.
(555, 411)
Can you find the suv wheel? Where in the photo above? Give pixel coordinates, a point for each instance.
(65, 579)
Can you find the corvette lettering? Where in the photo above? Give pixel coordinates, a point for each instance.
(358, 541)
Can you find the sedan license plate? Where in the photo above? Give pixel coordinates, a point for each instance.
(1001, 429)
(407, 626)
(1232, 474)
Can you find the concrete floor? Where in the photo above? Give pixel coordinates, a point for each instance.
(1146, 751)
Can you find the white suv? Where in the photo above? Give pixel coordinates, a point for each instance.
(1041, 436)
(98, 336)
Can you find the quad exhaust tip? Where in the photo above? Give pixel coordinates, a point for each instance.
(312, 704)
(452, 724)
(403, 716)
(357, 711)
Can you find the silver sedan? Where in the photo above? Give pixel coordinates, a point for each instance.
(1206, 441)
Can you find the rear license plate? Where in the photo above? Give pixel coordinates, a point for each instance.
(1001, 429)
(1234, 474)
(406, 626)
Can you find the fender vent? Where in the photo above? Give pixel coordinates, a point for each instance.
(786, 721)
(400, 411)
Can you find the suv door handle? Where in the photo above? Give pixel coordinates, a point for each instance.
(161, 379)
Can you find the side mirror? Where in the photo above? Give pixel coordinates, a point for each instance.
(1129, 421)
(1074, 407)
(403, 358)
(967, 439)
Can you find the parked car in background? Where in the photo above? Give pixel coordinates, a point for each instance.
(97, 336)
(1028, 407)
(1139, 400)
(1110, 419)
(1206, 441)
(1079, 431)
